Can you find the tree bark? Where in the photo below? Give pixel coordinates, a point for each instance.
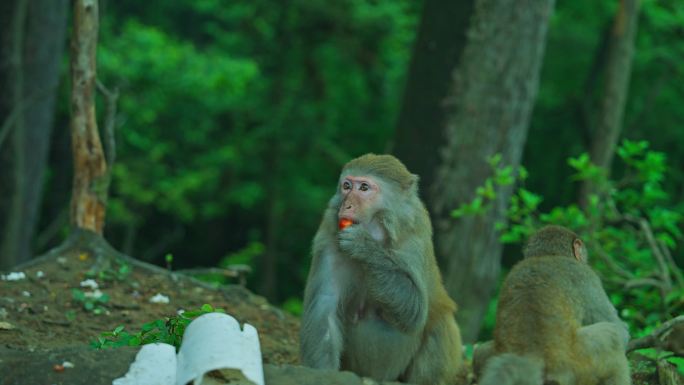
(91, 180)
(439, 45)
(32, 45)
(617, 70)
(488, 111)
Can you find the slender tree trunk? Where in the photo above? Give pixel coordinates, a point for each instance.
(32, 48)
(617, 70)
(439, 45)
(487, 112)
(91, 179)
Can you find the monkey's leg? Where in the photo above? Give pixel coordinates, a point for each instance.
(439, 360)
(603, 346)
(373, 348)
(481, 354)
(321, 336)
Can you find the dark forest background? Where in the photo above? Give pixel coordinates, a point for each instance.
(234, 119)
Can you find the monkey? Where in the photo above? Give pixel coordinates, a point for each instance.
(374, 301)
(554, 321)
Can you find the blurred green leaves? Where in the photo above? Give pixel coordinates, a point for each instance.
(234, 120)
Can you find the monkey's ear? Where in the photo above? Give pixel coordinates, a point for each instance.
(413, 183)
(579, 251)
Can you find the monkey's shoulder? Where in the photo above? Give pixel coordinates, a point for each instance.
(549, 271)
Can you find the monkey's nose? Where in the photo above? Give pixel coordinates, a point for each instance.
(348, 207)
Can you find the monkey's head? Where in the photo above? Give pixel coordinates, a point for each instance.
(372, 185)
(555, 241)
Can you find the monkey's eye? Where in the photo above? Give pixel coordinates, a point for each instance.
(346, 185)
(364, 187)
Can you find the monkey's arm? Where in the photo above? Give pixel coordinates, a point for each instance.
(396, 276)
(321, 339)
(598, 307)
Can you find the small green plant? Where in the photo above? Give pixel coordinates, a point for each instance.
(119, 273)
(663, 355)
(485, 194)
(245, 256)
(91, 301)
(70, 315)
(294, 306)
(168, 330)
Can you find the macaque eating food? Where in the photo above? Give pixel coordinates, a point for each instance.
(374, 302)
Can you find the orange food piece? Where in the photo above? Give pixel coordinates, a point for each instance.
(344, 223)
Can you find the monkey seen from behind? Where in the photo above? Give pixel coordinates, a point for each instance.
(374, 301)
(554, 322)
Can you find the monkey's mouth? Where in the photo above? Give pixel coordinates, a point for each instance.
(344, 222)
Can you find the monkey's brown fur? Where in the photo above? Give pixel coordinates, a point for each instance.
(554, 321)
(552, 240)
(374, 301)
(384, 166)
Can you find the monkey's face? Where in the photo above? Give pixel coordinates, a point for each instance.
(360, 198)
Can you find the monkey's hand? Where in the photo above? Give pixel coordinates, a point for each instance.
(358, 243)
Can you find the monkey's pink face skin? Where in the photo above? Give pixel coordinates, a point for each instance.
(360, 196)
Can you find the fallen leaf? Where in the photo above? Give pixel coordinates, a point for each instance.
(6, 326)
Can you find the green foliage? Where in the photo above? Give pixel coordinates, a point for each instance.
(120, 272)
(631, 225)
(656, 354)
(168, 330)
(294, 306)
(91, 301)
(245, 256)
(485, 195)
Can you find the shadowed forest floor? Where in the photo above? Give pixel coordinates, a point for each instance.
(39, 312)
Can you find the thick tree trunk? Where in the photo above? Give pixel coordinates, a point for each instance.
(439, 45)
(487, 112)
(32, 47)
(617, 70)
(91, 179)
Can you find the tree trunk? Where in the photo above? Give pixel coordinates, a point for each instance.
(91, 179)
(32, 47)
(618, 67)
(439, 45)
(487, 112)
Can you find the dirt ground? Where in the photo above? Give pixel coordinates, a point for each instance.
(38, 312)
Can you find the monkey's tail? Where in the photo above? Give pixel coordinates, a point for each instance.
(513, 369)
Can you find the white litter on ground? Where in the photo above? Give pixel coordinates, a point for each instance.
(13, 276)
(95, 294)
(159, 298)
(213, 341)
(90, 283)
